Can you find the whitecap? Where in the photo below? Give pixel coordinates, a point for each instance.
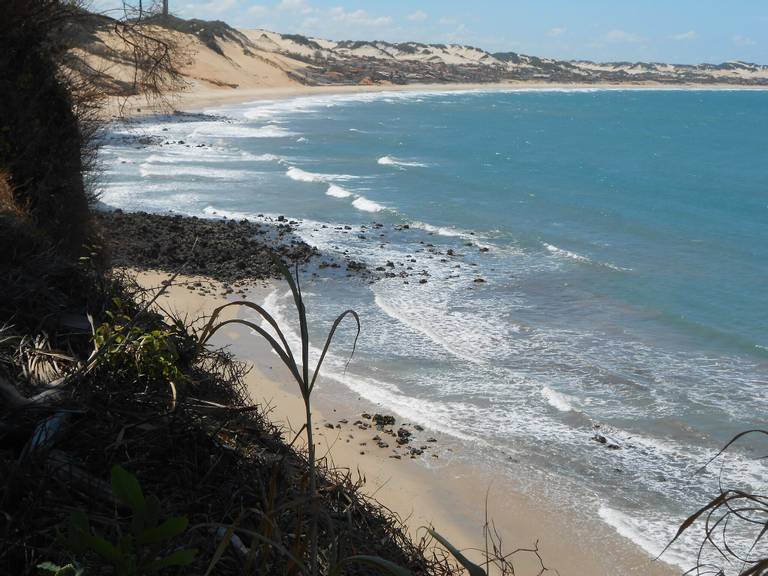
(224, 130)
(390, 161)
(148, 170)
(303, 176)
(562, 253)
(556, 399)
(338, 192)
(362, 203)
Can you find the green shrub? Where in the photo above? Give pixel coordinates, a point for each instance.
(137, 552)
(152, 352)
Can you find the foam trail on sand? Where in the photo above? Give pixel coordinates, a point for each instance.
(338, 192)
(366, 205)
(652, 539)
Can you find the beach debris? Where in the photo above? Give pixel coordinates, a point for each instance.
(418, 428)
(366, 416)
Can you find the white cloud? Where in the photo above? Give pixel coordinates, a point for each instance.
(740, 40)
(685, 36)
(296, 6)
(445, 21)
(258, 10)
(418, 16)
(358, 18)
(213, 7)
(557, 31)
(622, 37)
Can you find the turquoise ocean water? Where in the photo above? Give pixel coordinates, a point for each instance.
(626, 271)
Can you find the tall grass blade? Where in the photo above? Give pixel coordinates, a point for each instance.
(471, 567)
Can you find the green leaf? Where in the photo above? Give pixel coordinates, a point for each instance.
(179, 558)
(471, 567)
(384, 566)
(105, 549)
(126, 488)
(78, 531)
(167, 530)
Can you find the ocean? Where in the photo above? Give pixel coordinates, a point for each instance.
(578, 278)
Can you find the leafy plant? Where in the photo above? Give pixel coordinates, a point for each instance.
(299, 370)
(152, 352)
(137, 552)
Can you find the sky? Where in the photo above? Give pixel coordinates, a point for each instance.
(677, 31)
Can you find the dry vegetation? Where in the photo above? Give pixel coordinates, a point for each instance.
(95, 383)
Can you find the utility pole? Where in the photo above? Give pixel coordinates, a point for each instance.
(165, 8)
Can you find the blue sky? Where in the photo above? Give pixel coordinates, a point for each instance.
(680, 31)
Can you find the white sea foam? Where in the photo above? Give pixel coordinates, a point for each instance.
(148, 170)
(362, 203)
(390, 161)
(566, 253)
(441, 230)
(303, 176)
(557, 399)
(226, 130)
(337, 191)
(433, 414)
(425, 328)
(562, 253)
(649, 538)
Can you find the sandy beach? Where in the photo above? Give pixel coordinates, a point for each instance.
(198, 97)
(425, 490)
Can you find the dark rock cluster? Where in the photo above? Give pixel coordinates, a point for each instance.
(225, 250)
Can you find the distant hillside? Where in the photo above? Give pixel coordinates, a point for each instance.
(219, 56)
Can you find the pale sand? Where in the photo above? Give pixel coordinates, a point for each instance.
(449, 496)
(199, 97)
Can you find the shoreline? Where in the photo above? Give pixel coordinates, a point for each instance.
(197, 98)
(439, 492)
